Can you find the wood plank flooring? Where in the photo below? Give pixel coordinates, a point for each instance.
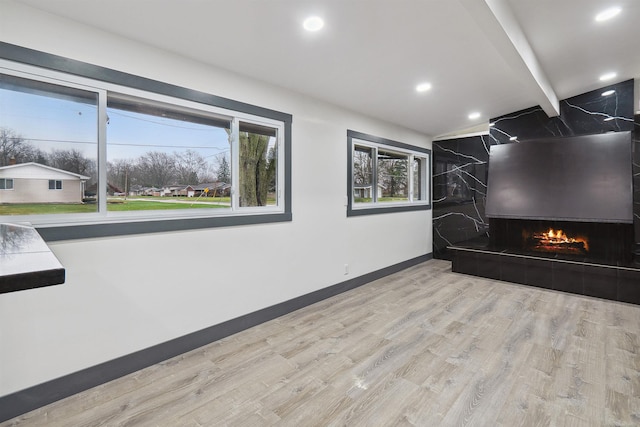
(423, 347)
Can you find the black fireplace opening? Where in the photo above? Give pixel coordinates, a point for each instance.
(598, 242)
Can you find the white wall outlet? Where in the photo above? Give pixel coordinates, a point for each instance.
(346, 269)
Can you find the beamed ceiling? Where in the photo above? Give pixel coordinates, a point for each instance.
(487, 56)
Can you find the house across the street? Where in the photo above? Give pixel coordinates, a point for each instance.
(37, 183)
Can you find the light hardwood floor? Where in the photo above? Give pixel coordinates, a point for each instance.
(423, 347)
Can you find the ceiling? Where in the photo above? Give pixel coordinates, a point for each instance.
(489, 56)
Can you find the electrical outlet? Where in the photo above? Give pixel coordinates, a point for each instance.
(346, 269)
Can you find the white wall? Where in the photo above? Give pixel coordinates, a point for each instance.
(124, 294)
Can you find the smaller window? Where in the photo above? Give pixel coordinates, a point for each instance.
(386, 176)
(55, 184)
(6, 183)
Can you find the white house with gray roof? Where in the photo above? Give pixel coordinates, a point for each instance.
(37, 183)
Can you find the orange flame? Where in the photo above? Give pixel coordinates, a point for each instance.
(558, 236)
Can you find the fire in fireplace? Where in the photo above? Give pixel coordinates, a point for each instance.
(555, 241)
(601, 242)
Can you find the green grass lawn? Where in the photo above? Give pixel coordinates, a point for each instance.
(393, 199)
(380, 199)
(149, 205)
(179, 198)
(119, 206)
(46, 208)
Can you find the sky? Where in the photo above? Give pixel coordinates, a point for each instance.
(67, 122)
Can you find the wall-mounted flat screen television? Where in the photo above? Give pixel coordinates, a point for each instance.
(583, 178)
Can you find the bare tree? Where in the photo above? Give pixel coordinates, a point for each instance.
(121, 173)
(73, 161)
(156, 169)
(362, 166)
(191, 167)
(13, 147)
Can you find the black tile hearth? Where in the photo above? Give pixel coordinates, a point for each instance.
(513, 269)
(568, 277)
(466, 263)
(602, 282)
(488, 265)
(628, 286)
(538, 272)
(617, 283)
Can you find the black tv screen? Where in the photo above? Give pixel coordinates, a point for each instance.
(583, 178)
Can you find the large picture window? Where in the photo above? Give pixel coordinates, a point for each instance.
(386, 176)
(117, 153)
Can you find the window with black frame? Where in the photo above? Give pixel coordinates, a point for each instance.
(162, 155)
(124, 154)
(386, 176)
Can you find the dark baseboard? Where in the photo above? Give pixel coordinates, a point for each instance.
(23, 401)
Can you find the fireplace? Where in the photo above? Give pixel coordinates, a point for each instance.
(566, 197)
(610, 243)
(560, 217)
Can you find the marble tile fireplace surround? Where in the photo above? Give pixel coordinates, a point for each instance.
(600, 259)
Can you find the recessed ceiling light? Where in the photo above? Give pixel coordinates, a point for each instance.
(313, 23)
(423, 87)
(608, 14)
(607, 76)
(608, 92)
(474, 115)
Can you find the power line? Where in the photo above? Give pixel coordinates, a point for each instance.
(66, 141)
(163, 146)
(119, 113)
(69, 141)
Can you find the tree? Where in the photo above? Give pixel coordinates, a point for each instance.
(393, 175)
(190, 167)
(120, 174)
(362, 166)
(223, 173)
(14, 147)
(72, 161)
(156, 169)
(257, 169)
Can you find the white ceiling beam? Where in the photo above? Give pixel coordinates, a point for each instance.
(498, 22)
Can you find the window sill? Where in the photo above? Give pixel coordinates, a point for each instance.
(383, 208)
(51, 231)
